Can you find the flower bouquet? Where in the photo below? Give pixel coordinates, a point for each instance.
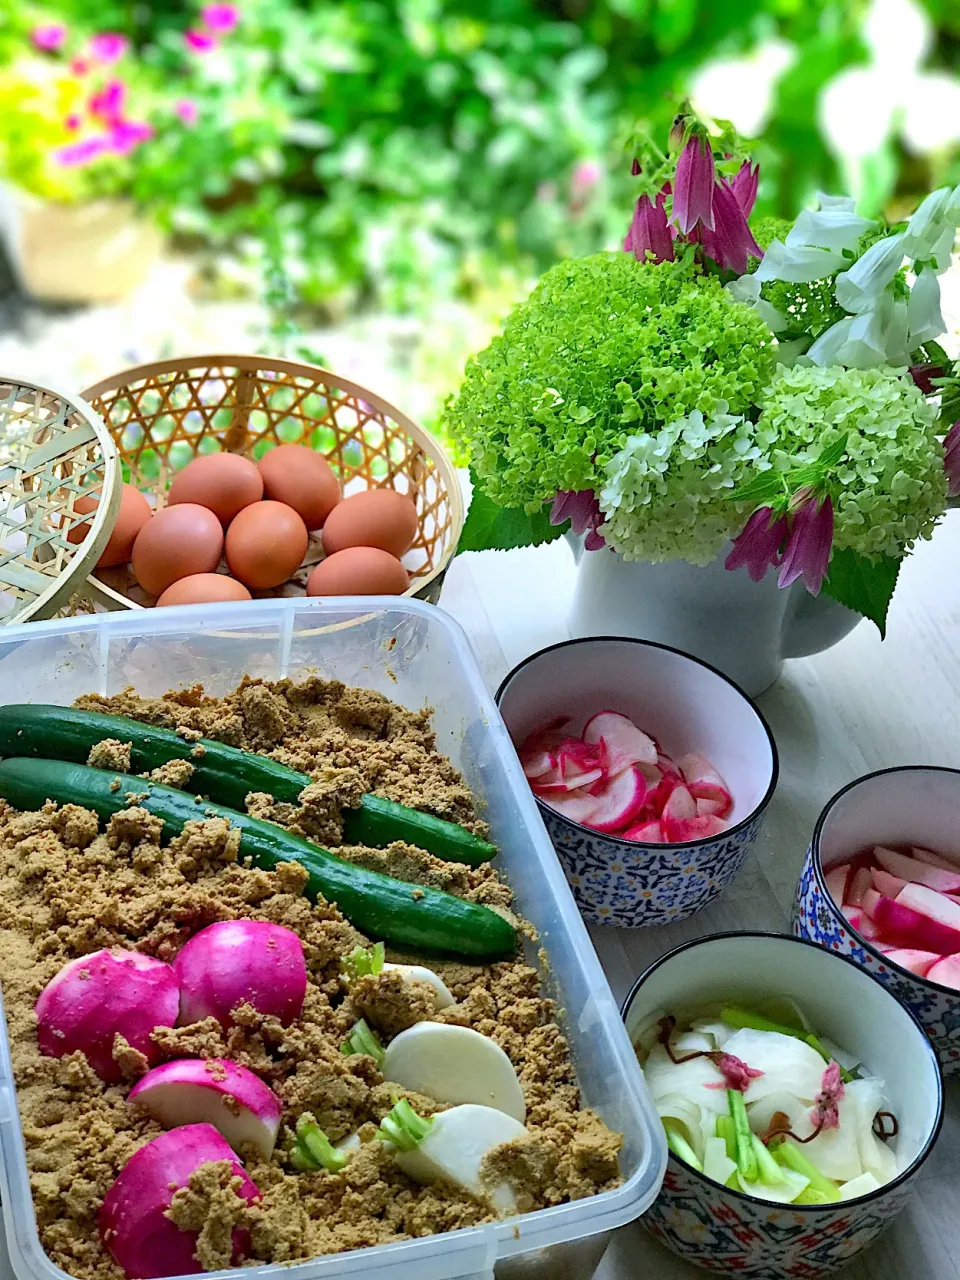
(773, 394)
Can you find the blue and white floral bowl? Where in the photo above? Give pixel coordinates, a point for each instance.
(688, 707)
(914, 805)
(724, 1230)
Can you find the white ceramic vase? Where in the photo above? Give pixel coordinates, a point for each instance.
(743, 628)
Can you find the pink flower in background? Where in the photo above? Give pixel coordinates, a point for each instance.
(187, 110)
(79, 66)
(951, 459)
(809, 543)
(199, 41)
(48, 36)
(730, 244)
(72, 123)
(693, 188)
(222, 18)
(586, 175)
(107, 103)
(127, 135)
(649, 231)
(758, 546)
(108, 46)
(581, 508)
(922, 375)
(76, 154)
(744, 184)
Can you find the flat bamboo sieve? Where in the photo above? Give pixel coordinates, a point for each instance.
(53, 449)
(163, 415)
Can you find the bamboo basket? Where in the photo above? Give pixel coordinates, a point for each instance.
(53, 450)
(161, 416)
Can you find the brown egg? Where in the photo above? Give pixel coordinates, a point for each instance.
(175, 543)
(133, 515)
(204, 588)
(265, 544)
(224, 483)
(376, 518)
(298, 476)
(358, 571)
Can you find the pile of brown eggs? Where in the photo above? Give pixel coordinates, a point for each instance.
(255, 520)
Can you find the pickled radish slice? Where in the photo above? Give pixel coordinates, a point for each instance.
(704, 782)
(900, 923)
(578, 806)
(620, 801)
(625, 744)
(837, 882)
(859, 885)
(681, 830)
(918, 872)
(930, 903)
(886, 884)
(680, 805)
(946, 972)
(647, 833)
(918, 962)
(931, 859)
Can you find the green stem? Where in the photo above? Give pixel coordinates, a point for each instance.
(725, 1131)
(403, 1127)
(362, 1040)
(756, 1022)
(313, 1149)
(363, 962)
(770, 1172)
(680, 1146)
(743, 1136)
(789, 1154)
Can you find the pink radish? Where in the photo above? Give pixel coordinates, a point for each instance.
(646, 833)
(914, 930)
(932, 859)
(886, 884)
(836, 880)
(917, 872)
(578, 806)
(680, 805)
(946, 971)
(241, 961)
(931, 903)
(710, 808)
(679, 830)
(538, 754)
(99, 996)
(858, 886)
(538, 763)
(216, 1091)
(870, 900)
(573, 782)
(705, 782)
(918, 962)
(133, 1222)
(854, 916)
(625, 744)
(620, 801)
(575, 756)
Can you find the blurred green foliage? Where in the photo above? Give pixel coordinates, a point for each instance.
(413, 149)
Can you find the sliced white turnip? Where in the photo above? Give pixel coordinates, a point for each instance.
(929, 902)
(646, 833)
(620, 800)
(704, 782)
(860, 882)
(836, 880)
(213, 1091)
(454, 1147)
(918, 962)
(932, 859)
(680, 805)
(717, 1165)
(109, 993)
(917, 872)
(701, 827)
(133, 1222)
(862, 1186)
(241, 962)
(886, 884)
(625, 744)
(419, 973)
(946, 971)
(454, 1064)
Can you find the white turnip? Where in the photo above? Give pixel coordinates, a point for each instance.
(102, 995)
(454, 1064)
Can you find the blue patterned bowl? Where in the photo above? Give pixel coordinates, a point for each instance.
(914, 805)
(724, 1230)
(687, 706)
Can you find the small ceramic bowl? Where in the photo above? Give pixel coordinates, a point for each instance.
(688, 707)
(724, 1230)
(915, 805)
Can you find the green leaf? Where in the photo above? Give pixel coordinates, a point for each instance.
(492, 528)
(866, 586)
(761, 489)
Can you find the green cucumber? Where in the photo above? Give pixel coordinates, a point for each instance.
(225, 774)
(380, 906)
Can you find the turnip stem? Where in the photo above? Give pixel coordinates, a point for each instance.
(403, 1127)
(743, 1136)
(769, 1169)
(363, 962)
(789, 1154)
(313, 1149)
(362, 1040)
(725, 1131)
(680, 1146)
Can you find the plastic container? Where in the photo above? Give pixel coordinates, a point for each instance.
(416, 655)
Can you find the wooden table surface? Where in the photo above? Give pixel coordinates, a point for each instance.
(861, 706)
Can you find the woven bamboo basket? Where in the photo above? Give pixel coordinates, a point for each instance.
(53, 450)
(163, 415)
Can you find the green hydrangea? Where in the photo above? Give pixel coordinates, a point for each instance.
(667, 493)
(605, 347)
(890, 488)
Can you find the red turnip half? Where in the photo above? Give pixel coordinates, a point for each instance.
(241, 961)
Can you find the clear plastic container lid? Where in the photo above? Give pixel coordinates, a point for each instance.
(416, 655)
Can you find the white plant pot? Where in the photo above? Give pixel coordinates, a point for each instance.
(743, 628)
